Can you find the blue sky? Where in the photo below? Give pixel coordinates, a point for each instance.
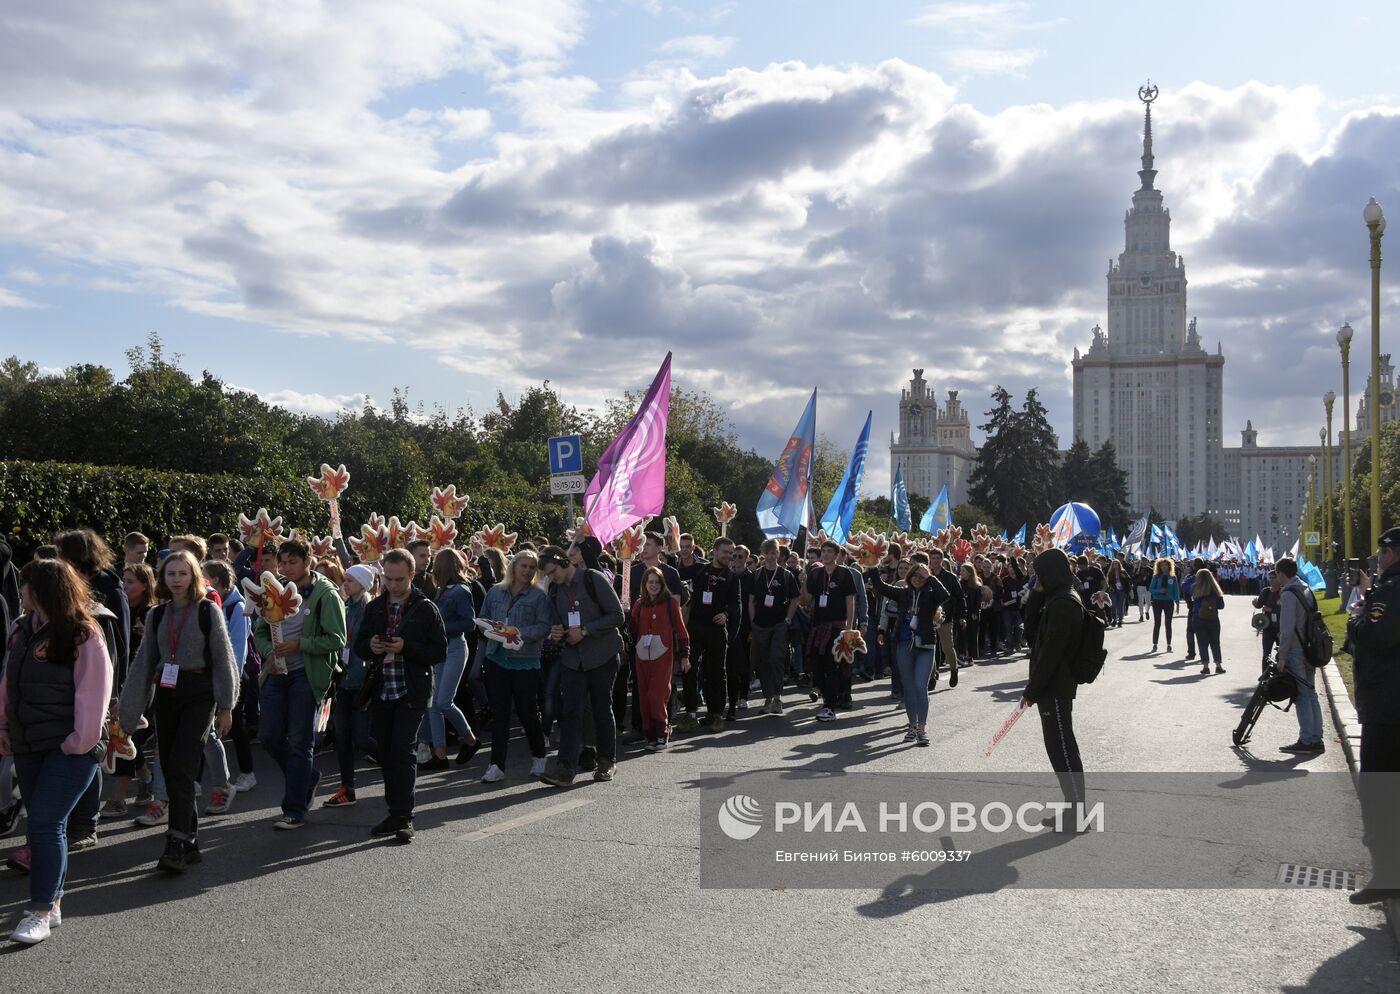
(444, 196)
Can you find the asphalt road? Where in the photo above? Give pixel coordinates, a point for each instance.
(515, 887)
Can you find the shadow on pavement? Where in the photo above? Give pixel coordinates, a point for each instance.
(1374, 953)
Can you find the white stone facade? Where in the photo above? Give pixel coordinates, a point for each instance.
(934, 444)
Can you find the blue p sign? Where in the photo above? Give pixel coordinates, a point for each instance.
(565, 454)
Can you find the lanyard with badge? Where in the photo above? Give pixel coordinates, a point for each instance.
(171, 671)
(826, 586)
(914, 612)
(768, 599)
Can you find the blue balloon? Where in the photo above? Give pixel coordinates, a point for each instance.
(1087, 517)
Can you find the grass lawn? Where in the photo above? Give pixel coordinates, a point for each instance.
(1334, 614)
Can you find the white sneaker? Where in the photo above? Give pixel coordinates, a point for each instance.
(245, 782)
(55, 917)
(32, 929)
(156, 814)
(425, 752)
(826, 714)
(537, 767)
(494, 774)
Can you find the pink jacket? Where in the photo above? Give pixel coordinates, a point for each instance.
(92, 680)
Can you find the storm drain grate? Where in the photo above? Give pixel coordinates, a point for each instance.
(1316, 876)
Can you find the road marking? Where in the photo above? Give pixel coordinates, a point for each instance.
(530, 819)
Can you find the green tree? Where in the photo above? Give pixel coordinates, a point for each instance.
(1110, 487)
(1016, 477)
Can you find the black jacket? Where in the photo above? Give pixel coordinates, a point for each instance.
(9, 580)
(1375, 642)
(107, 589)
(956, 607)
(932, 596)
(424, 641)
(1056, 625)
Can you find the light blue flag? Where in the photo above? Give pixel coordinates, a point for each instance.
(1311, 575)
(1003, 535)
(1020, 538)
(785, 504)
(1158, 536)
(1251, 554)
(836, 522)
(899, 501)
(939, 514)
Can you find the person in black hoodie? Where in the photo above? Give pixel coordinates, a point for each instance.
(1054, 619)
(86, 552)
(403, 637)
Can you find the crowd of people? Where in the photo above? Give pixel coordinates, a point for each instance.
(384, 663)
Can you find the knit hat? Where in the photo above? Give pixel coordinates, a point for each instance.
(362, 575)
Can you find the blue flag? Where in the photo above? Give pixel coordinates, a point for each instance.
(1137, 537)
(1251, 554)
(1020, 538)
(836, 522)
(899, 501)
(939, 514)
(785, 504)
(1311, 575)
(1003, 535)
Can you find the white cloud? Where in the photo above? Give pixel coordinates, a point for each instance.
(991, 61)
(319, 404)
(8, 298)
(699, 46)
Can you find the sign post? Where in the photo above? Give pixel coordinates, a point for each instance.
(566, 469)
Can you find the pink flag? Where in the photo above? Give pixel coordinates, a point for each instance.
(631, 480)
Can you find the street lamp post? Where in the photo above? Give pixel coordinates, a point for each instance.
(1310, 512)
(1324, 515)
(1344, 340)
(1375, 224)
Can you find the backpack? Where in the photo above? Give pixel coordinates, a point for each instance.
(1087, 662)
(1207, 611)
(1317, 640)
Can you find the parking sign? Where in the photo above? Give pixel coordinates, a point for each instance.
(565, 454)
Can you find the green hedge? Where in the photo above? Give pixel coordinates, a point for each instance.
(38, 499)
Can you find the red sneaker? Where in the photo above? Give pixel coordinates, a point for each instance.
(342, 798)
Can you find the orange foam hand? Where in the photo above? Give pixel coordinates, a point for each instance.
(119, 745)
(376, 520)
(397, 533)
(371, 545)
(441, 534)
(414, 531)
(629, 543)
(321, 546)
(447, 503)
(496, 537)
(725, 513)
(901, 539)
(961, 551)
(847, 644)
(274, 600)
(873, 548)
(331, 483)
(579, 532)
(671, 528)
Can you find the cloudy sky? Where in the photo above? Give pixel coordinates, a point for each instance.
(322, 200)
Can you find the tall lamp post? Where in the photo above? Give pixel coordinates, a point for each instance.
(1375, 223)
(1324, 515)
(1344, 340)
(1329, 399)
(1310, 513)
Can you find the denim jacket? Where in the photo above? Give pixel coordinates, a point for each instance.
(458, 612)
(530, 613)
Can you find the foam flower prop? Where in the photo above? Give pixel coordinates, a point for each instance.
(629, 543)
(981, 539)
(496, 537)
(671, 531)
(441, 534)
(847, 644)
(580, 531)
(901, 539)
(377, 521)
(397, 533)
(413, 532)
(331, 483)
(260, 529)
(868, 548)
(1044, 538)
(322, 546)
(447, 503)
(119, 744)
(371, 545)
(961, 551)
(275, 602)
(725, 514)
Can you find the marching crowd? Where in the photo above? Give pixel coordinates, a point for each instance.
(385, 663)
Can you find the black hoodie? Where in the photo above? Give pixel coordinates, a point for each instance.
(1057, 630)
(9, 579)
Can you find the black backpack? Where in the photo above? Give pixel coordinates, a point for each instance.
(1317, 640)
(1087, 661)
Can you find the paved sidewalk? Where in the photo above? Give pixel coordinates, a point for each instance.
(518, 888)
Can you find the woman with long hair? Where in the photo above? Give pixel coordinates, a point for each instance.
(1117, 591)
(139, 583)
(1207, 601)
(658, 632)
(53, 710)
(1165, 592)
(513, 674)
(453, 598)
(971, 585)
(186, 662)
(918, 612)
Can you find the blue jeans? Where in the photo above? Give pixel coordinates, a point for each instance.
(51, 783)
(351, 733)
(286, 726)
(1010, 628)
(1309, 710)
(915, 668)
(1120, 604)
(596, 686)
(442, 708)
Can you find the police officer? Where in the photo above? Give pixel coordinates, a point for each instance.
(1374, 633)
